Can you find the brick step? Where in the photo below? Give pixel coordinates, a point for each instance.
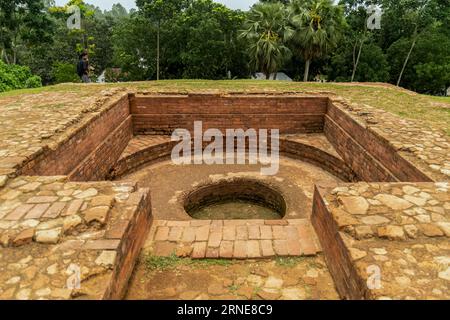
(233, 239)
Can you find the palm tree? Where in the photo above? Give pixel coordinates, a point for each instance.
(317, 28)
(266, 30)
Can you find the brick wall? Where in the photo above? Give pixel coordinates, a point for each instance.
(348, 284)
(371, 157)
(288, 148)
(87, 154)
(98, 164)
(132, 232)
(163, 114)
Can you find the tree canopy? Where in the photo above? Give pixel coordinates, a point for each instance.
(170, 39)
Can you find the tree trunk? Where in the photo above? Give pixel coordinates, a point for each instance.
(413, 44)
(268, 76)
(157, 51)
(5, 56)
(356, 62)
(307, 64)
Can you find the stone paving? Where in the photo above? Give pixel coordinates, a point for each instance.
(402, 229)
(233, 239)
(427, 148)
(56, 234)
(32, 123)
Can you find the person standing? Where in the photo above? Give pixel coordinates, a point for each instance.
(83, 67)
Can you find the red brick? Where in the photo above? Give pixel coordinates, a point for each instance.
(253, 249)
(304, 230)
(276, 222)
(240, 249)
(54, 210)
(101, 245)
(42, 199)
(214, 239)
(308, 246)
(294, 248)
(266, 232)
(202, 233)
(73, 207)
(19, 212)
(266, 248)
(117, 231)
(253, 233)
(199, 250)
(175, 233)
(164, 248)
(280, 247)
(291, 232)
(199, 223)
(226, 249)
(278, 232)
(212, 253)
(178, 223)
(188, 234)
(234, 223)
(229, 233)
(241, 233)
(162, 234)
(37, 211)
(216, 224)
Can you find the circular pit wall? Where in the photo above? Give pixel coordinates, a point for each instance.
(289, 192)
(237, 198)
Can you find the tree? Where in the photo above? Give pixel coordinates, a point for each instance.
(133, 44)
(23, 24)
(266, 30)
(428, 64)
(317, 26)
(207, 41)
(372, 66)
(159, 11)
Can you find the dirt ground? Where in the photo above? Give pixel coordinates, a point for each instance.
(169, 183)
(184, 279)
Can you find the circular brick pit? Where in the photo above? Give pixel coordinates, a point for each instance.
(235, 199)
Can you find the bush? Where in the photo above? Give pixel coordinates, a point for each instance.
(33, 82)
(65, 72)
(17, 77)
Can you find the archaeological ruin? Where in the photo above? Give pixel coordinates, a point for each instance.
(87, 185)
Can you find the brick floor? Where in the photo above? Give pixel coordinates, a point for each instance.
(234, 239)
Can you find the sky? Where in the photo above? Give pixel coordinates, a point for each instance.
(107, 4)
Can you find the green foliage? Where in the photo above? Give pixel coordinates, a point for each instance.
(427, 70)
(65, 72)
(33, 82)
(206, 40)
(17, 77)
(162, 263)
(171, 262)
(289, 262)
(372, 67)
(317, 25)
(23, 23)
(266, 31)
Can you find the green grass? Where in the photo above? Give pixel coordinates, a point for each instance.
(288, 262)
(155, 263)
(429, 110)
(162, 263)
